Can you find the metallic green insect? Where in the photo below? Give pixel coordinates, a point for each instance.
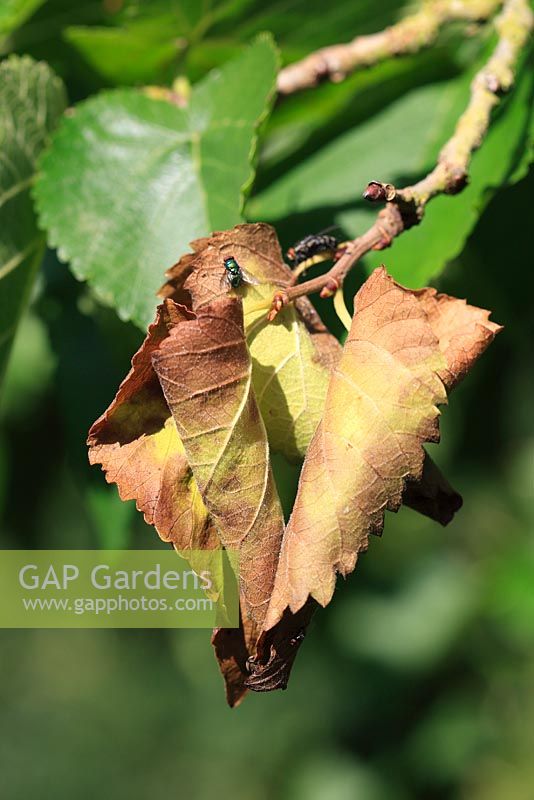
(235, 275)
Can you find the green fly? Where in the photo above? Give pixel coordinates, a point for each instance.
(235, 275)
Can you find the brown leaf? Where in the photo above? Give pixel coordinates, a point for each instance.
(256, 246)
(463, 331)
(277, 649)
(205, 371)
(263, 665)
(432, 495)
(233, 649)
(291, 358)
(380, 408)
(137, 444)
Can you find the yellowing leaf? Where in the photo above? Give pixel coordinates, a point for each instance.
(205, 371)
(137, 444)
(381, 406)
(292, 357)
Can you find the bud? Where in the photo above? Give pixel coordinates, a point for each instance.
(379, 192)
(276, 306)
(330, 287)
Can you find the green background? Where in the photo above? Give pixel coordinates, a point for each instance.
(418, 680)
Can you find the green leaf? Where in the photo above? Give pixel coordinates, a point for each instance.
(399, 145)
(402, 140)
(32, 99)
(424, 251)
(14, 12)
(129, 181)
(132, 54)
(302, 25)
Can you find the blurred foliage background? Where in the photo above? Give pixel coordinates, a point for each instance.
(418, 680)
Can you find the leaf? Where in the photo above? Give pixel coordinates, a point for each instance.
(464, 332)
(133, 54)
(295, 22)
(263, 665)
(394, 144)
(380, 408)
(249, 659)
(130, 180)
(32, 99)
(449, 220)
(205, 371)
(233, 649)
(399, 145)
(14, 12)
(292, 358)
(431, 494)
(277, 649)
(137, 444)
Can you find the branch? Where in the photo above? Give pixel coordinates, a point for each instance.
(405, 207)
(415, 32)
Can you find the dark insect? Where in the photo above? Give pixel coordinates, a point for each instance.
(311, 246)
(235, 275)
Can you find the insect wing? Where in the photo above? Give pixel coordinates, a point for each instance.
(225, 284)
(249, 278)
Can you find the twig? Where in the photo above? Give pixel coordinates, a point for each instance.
(415, 32)
(405, 207)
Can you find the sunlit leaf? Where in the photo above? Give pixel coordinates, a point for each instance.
(206, 374)
(137, 444)
(291, 358)
(398, 361)
(130, 181)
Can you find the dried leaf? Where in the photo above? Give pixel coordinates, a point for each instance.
(463, 331)
(138, 446)
(381, 406)
(277, 649)
(233, 649)
(432, 495)
(260, 663)
(291, 358)
(206, 374)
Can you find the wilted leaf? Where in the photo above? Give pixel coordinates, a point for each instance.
(463, 331)
(32, 99)
(277, 649)
(129, 181)
(380, 408)
(291, 358)
(233, 649)
(431, 494)
(205, 371)
(260, 662)
(138, 446)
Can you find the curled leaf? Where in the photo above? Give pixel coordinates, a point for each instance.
(233, 649)
(138, 446)
(277, 649)
(206, 374)
(381, 407)
(463, 331)
(432, 495)
(292, 358)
